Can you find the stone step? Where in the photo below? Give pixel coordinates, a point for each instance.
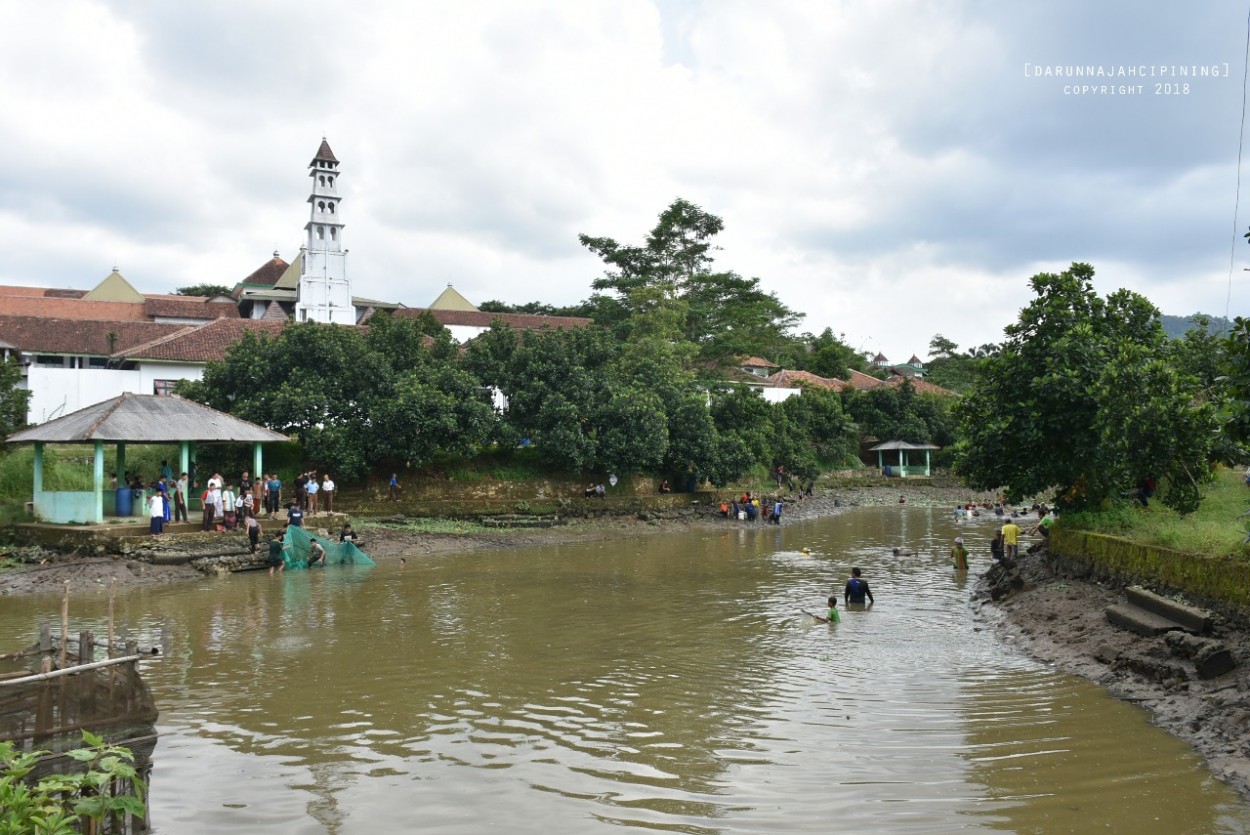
(1190, 618)
(1142, 621)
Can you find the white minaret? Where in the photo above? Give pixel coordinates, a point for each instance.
(325, 293)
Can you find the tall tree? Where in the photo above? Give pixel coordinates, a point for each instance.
(724, 313)
(1066, 405)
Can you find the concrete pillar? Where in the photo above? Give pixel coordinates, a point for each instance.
(184, 459)
(98, 486)
(38, 470)
(258, 463)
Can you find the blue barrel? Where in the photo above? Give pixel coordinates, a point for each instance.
(125, 501)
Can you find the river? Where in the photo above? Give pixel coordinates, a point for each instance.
(667, 683)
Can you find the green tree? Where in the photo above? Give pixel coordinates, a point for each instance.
(826, 355)
(13, 401)
(355, 399)
(723, 313)
(204, 290)
(940, 347)
(1079, 400)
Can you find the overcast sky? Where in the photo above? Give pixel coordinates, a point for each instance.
(891, 169)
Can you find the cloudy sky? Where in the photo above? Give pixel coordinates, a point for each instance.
(892, 169)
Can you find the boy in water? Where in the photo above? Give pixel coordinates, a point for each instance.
(833, 617)
(857, 590)
(959, 555)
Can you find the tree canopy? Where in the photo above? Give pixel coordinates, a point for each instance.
(203, 290)
(1084, 400)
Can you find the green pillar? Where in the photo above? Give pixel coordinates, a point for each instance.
(38, 469)
(926, 463)
(258, 462)
(880, 462)
(99, 482)
(121, 462)
(902, 463)
(184, 458)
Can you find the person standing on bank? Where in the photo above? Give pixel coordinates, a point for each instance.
(156, 513)
(311, 488)
(180, 498)
(327, 493)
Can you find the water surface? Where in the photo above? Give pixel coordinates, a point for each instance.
(667, 684)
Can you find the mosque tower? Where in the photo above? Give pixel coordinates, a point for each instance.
(325, 293)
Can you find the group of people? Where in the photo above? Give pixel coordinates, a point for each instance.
(1005, 546)
(750, 508)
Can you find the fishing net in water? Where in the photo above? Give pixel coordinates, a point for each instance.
(296, 550)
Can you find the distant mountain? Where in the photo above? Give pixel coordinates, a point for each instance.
(1177, 326)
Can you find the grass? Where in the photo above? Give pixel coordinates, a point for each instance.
(71, 466)
(440, 526)
(1214, 529)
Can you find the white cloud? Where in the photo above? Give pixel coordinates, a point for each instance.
(886, 168)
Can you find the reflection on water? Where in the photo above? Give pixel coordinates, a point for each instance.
(668, 684)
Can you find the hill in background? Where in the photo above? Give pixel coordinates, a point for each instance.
(1177, 326)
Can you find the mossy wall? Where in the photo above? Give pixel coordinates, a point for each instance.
(1220, 582)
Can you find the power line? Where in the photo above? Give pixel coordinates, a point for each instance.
(1241, 138)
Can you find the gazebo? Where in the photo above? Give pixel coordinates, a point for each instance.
(902, 469)
(131, 419)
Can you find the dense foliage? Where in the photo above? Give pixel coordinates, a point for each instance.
(1086, 398)
(107, 786)
(209, 290)
(643, 389)
(13, 400)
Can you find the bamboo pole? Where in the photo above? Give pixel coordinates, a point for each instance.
(108, 662)
(112, 597)
(65, 625)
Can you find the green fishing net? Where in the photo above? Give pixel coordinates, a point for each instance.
(295, 550)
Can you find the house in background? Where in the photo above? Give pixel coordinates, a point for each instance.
(82, 347)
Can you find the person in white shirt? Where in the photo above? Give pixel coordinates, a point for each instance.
(327, 493)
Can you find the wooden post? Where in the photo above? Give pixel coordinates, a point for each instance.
(45, 647)
(86, 647)
(112, 598)
(65, 625)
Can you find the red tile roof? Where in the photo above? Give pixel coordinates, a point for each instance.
(804, 379)
(201, 343)
(189, 307)
(922, 386)
(484, 319)
(756, 362)
(59, 308)
(268, 273)
(46, 335)
(862, 381)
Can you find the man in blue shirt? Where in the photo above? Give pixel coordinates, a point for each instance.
(295, 516)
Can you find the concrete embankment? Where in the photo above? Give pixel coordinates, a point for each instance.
(1218, 583)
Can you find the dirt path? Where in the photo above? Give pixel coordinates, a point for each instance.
(1059, 618)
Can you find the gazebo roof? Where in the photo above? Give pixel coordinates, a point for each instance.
(146, 419)
(889, 445)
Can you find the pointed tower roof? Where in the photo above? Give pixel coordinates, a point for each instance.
(290, 278)
(450, 299)
(325, 153)
(114, 288)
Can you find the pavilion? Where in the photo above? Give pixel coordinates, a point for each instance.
(903, 468)
(131, 419)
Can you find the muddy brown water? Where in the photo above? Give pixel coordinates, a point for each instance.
(666, 684)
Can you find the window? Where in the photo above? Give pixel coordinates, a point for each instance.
(334, 234)
(331, 208)
(321, 233)
(330, 182)
(323, 179)
(163, 388)
(50, 360)
(321, 206)
(98, 362)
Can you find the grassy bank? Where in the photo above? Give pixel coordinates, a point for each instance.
(1214, 529)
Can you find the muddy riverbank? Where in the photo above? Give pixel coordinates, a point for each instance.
(1059, 617)
(38, 570)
